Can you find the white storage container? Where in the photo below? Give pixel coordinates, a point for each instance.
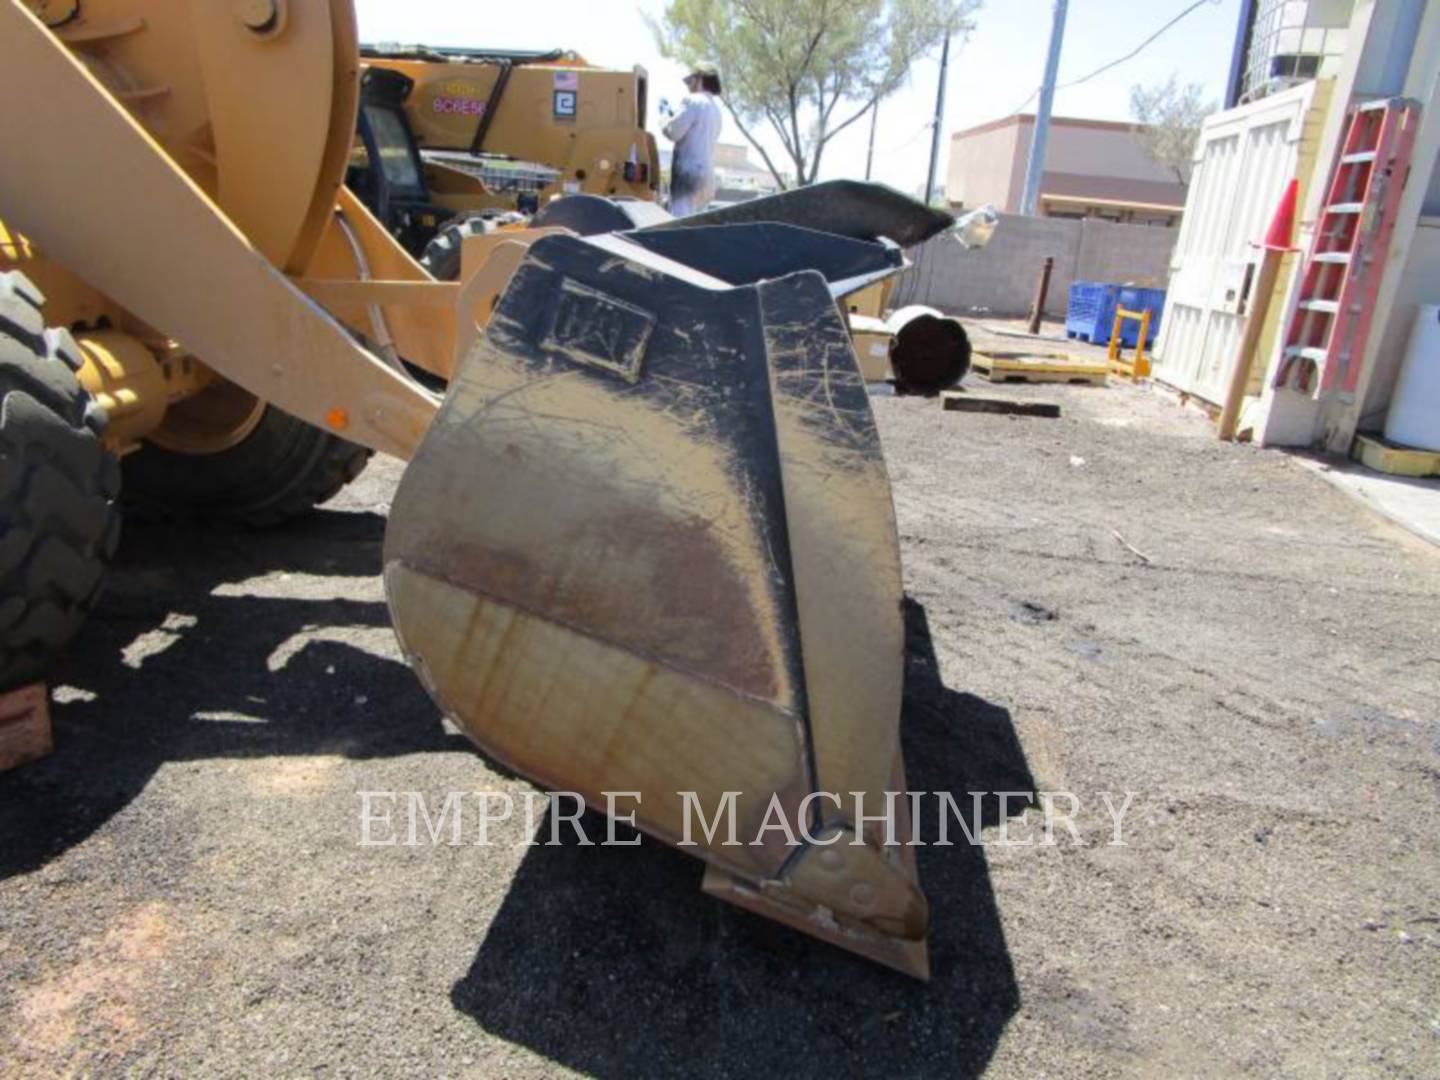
(1414, 418)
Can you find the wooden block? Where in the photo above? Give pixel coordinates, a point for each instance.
(961, 401)
(1376, 453)
(24, 726)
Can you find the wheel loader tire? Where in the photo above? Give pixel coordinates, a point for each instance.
(59, 518)
(281, 470)
(442, 254)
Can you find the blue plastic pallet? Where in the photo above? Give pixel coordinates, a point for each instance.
(1091, 315)
(1133, 298)
(1092, 311)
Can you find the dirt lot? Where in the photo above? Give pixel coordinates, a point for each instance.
(181, 888)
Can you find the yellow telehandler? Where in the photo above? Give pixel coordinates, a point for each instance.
(644, 543)
(430, 117)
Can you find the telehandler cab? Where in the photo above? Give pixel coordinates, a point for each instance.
(430, 118)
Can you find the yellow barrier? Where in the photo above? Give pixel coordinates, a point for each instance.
(1139, 367)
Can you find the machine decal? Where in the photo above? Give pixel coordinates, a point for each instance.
(458, 98)
(459, 106)
(567, 94)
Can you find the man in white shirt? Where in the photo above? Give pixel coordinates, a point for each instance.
(694, 130)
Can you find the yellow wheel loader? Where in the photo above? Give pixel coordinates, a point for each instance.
(645, 543)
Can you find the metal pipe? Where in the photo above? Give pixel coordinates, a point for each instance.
(1040, 139)
(929, 352)
(1042, 291)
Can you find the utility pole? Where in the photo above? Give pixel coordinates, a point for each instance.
(870, 153)
(1030, 200)
(939, 116)
(1244, 33)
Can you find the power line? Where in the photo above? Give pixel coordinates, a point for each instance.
(1117, 62)
(1135, 51)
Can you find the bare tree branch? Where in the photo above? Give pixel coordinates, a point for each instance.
(1171, 116)
(764, 155)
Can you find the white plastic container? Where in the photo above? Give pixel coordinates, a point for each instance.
(1414, 418)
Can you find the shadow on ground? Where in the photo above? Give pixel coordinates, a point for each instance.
(607, 960)
(611, 961)
(205, 687)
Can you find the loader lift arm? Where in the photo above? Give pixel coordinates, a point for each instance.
(266, 335)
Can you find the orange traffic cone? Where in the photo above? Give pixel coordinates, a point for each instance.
(1282, 226)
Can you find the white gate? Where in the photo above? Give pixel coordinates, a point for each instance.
(1244, 159)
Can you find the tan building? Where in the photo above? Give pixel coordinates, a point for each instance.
(1093, 168)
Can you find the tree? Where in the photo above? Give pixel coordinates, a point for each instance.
(1171, 115)
(808, 68)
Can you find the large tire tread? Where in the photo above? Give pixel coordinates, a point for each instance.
(281, 471)
(59, 488)
(442, 255)
(338, 464)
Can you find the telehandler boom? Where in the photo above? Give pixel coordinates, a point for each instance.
(645, 542)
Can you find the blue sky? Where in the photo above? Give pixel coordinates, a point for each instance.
(990, 75)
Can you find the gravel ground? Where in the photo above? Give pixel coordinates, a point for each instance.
(1255, 658)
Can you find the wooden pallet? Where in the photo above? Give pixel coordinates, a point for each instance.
(24, 726)
(1033, 368)
(1376, 453)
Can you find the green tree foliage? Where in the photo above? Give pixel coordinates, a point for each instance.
(1172, 115)
(807, 68)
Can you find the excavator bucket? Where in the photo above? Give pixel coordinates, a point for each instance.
(648, 547)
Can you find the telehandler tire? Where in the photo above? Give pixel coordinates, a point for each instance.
(59, 518)
(442, 261)
(442, 254)
(282, 469)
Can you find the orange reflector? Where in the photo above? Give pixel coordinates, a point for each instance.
(338, 419)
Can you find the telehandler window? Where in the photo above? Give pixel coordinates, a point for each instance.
(397, 158)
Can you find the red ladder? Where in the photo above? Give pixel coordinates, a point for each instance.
(1341, 274)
